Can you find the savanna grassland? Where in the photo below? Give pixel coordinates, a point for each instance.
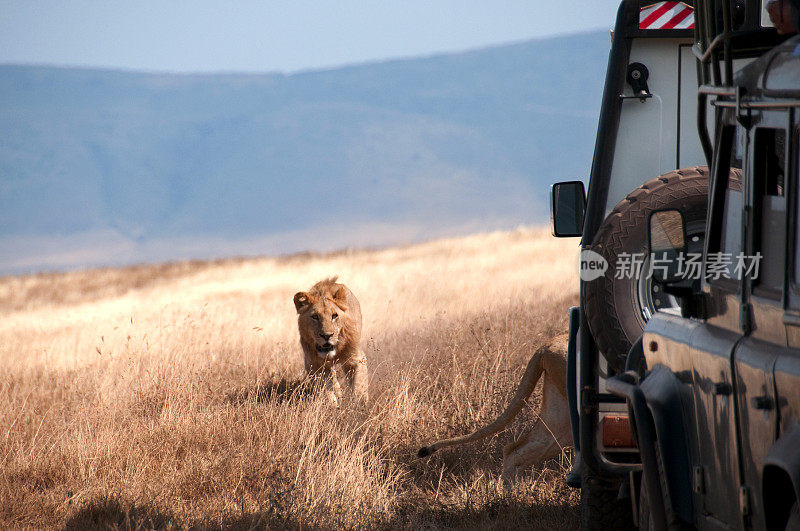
(170, 396)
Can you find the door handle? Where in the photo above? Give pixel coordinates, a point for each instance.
(723, 388)
(764, 402)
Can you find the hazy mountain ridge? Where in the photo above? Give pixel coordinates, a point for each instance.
(425, 145)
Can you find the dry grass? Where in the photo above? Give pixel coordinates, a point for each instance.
(169, 396)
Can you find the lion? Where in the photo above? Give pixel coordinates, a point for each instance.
(329, 320)
(550, 433)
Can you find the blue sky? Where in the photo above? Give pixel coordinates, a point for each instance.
(275, 35)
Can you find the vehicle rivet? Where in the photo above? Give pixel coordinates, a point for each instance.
(653, 346)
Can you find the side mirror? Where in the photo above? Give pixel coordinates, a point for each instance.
(667, 245)
(567, 208)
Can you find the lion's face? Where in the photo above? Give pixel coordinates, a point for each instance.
(320, 320)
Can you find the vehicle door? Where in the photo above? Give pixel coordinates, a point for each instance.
(716, 473)
(765, 341)
(787, 367)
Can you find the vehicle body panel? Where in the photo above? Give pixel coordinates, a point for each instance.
(700, 355)
(758, 419)
(668, 117)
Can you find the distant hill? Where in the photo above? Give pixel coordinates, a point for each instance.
(108, 167)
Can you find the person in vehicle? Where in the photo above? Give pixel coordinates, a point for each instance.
(785, 15)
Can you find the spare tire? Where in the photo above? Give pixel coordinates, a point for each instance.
(618, 308)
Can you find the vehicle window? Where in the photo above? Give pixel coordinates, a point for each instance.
(796, 157)
(737, 149)
(769, 162)
(726, 241)
(731, 247)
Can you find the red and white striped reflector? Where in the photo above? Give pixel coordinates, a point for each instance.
(666, 15)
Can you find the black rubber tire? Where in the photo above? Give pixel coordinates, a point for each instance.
(793, 524)
(601, 508)
(645, 517)
(612, 305)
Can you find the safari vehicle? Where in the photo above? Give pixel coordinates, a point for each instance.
(685, 389)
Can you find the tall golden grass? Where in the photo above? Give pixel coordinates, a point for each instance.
(170, 396)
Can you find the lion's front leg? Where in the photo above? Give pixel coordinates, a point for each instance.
(357, 377)
(325, 377)
(333, 390)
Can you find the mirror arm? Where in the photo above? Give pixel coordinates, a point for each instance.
(693, 301)
(697, 305)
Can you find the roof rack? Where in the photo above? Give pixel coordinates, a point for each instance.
(725, 30)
